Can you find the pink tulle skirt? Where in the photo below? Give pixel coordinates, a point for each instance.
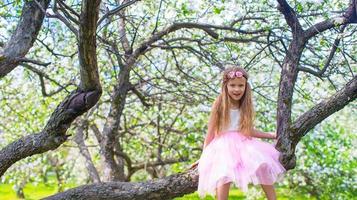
(233, 157)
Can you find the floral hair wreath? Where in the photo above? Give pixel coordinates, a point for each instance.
(235, 74)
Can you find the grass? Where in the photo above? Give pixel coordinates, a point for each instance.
(34, 192)
(236, 194)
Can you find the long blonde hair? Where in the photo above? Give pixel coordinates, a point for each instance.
(220, 117)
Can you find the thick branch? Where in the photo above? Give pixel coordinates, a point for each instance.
(290, 17)
(350, 16)
(111, 126)
(87, 45)
(289, 73)
(166, 188)
(54, 134)
(24, 36)
(74, 105)
(324, 109)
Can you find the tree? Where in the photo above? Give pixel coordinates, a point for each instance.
(125, 54)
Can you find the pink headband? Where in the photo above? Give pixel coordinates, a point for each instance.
(234, 74)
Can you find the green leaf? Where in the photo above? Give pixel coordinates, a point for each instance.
(299, 7)
(217, 10)
(184, 9)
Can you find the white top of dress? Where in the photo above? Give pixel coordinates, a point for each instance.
(235, 117)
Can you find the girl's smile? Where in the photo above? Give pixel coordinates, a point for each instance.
(236, 88)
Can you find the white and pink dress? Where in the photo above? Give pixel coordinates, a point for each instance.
(233, 157)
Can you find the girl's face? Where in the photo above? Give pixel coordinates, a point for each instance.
(236, 88)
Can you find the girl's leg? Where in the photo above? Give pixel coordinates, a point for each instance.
(223, 191)
(269, 191)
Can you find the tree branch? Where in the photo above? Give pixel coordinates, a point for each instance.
(63, 19)
(144, 46)
(122, 32)
(116, 10)
(54, 134)
(83, 149)
(41, 75)
(350, 16)
(87, 45)
(319, 73)
(74, 105)
(140, 96)
(324, 109)
(64, 8)
(24, 36)
(165, 188)
(290, 17)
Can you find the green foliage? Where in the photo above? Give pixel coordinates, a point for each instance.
(185, 10)
(326, 165)
(218, 10)
(236, 194)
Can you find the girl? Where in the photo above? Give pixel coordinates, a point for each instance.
(230, 153)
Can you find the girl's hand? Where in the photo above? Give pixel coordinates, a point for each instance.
(273, 135)
(194, 165)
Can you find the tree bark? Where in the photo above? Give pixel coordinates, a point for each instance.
(289, 136)
(24, 36)
(288, 78)
(54, 134)
(324, 109)
(166, 188)
(112, 170)
(74, 105)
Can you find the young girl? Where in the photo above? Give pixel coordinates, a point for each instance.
(230, 151)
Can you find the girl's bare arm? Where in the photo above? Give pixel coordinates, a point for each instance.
(261, 134)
